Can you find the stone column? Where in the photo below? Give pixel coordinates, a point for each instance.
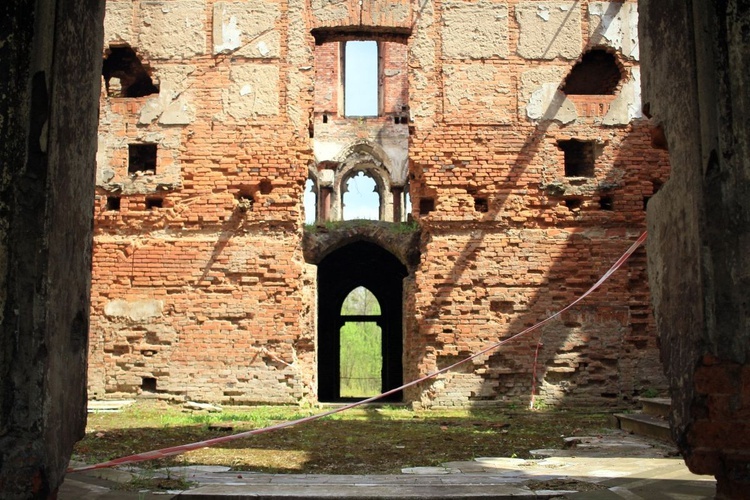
(696, 82)
(398, 196)
(50, 74)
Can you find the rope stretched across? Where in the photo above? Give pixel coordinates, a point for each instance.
(178, 450)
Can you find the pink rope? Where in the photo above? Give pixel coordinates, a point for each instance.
(177, 450)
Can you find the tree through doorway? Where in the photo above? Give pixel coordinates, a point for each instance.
(359, 323)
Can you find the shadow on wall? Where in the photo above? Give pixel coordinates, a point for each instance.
(604, 350)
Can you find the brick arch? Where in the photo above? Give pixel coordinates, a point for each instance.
(404, 246)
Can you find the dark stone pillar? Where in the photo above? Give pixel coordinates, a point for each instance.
(696, 84)
(50, 70)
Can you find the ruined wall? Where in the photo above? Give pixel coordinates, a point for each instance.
(696, 55)
(201, 288)
(510, 238)
(48, 113)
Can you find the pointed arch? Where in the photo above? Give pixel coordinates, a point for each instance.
(359, 264)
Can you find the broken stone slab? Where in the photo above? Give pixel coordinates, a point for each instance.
(425, 471)
(193, 405)
(108, 406)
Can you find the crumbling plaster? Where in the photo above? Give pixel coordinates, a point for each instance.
(478, 90)
(475, 30)
(173, 29)
(118, 27)
(549, 30)
(615, 24)
(253, 91)
(246, 29)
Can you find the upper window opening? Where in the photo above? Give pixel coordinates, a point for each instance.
(141, 158)
(310, 202)
(125, 75)
(361, 198)
(361, 78)
(597, 73)
(580, 157)
(360, 302)
(407, 204)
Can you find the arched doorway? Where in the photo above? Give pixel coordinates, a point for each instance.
(359, 265)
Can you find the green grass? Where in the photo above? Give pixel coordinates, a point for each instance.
(371, 441)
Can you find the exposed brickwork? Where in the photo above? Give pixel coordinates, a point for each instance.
(219, 303)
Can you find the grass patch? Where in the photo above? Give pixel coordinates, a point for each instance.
(371, 441)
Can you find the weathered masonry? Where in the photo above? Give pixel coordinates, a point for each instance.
(511, 166)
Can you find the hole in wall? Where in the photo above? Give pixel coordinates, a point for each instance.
(245, 202)
(113, 203)
(579, 157)
(597, 73)
(426, 205)
(153, 202)
(481, 205)
(124, 74)
(141, 158)
(148, 384)
(606, 202)
(265, 186)
(573, 203)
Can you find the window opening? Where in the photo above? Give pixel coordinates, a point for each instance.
(153, 202)
(360, 302)
(407, 204)
(310, 202)
(148, 384)
(141, 158)
(124, 74)
(579, 157)
(426, 205)
(597, 73)
(573, 203)
(361, 78)
(361, 198)
(113, 203)
(481, 205)
(606, 203)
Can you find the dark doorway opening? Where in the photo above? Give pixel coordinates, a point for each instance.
(346, 271)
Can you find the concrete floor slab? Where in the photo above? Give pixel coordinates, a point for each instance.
(633, 468)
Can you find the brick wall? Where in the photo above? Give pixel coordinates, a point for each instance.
(210, 294)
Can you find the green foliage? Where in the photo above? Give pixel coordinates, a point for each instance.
(373, 440)
(650, 393)
(361, 357)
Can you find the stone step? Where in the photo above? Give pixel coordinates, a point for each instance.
(644, 425)
(657, 407)
(373, 491)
